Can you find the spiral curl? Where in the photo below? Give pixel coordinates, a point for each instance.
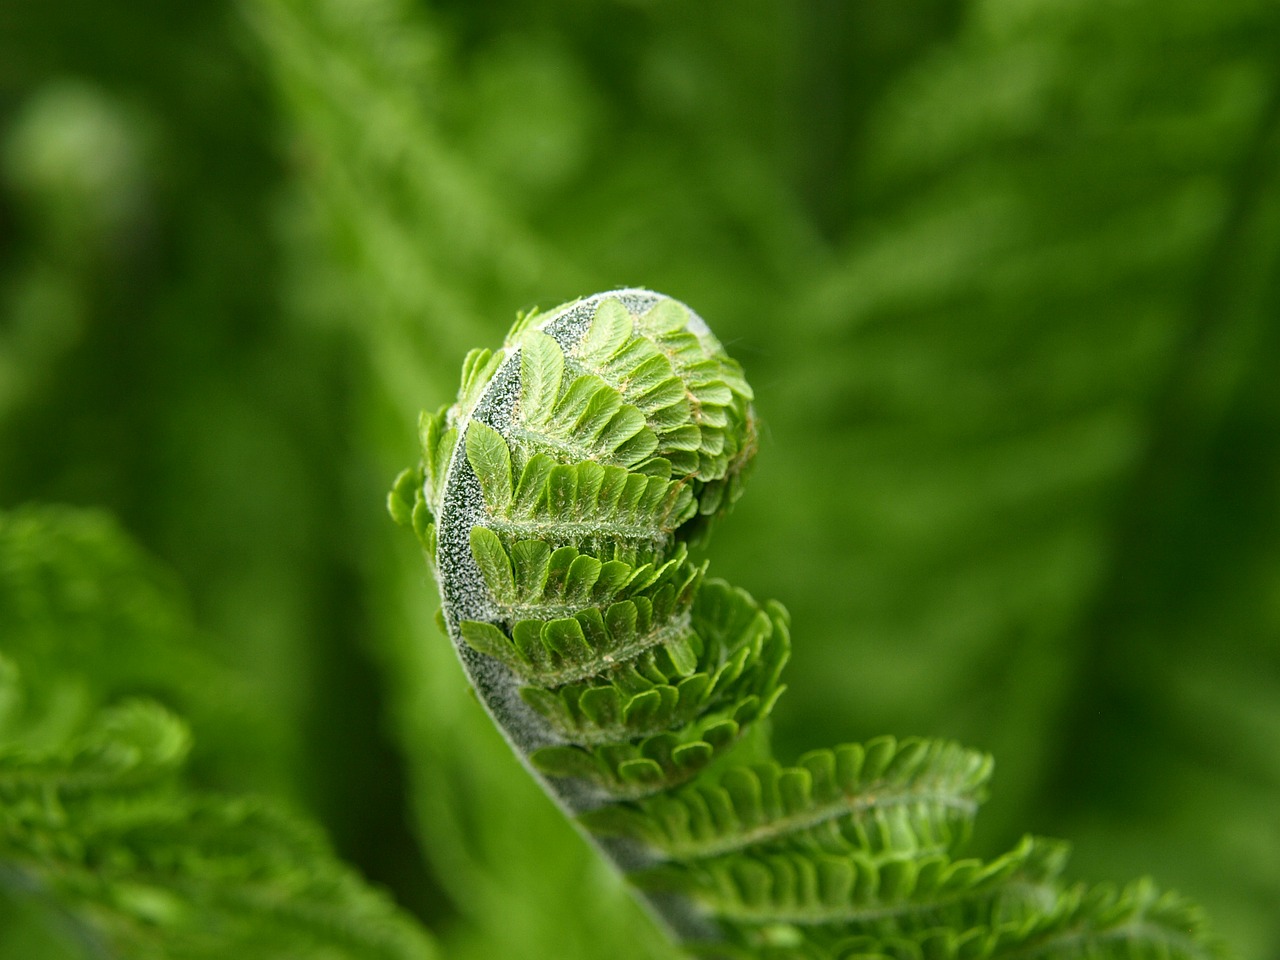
(557, 500)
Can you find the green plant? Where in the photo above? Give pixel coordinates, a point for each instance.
(558, 500)
(106, 848)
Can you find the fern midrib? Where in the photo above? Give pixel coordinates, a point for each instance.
(656, 533)
(677, 626)
(565, 449)
(1080, 935)
(848, 805)
(513, 611)
(816, 916)
(620, 732)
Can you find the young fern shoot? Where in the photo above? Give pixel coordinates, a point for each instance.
(555, 500)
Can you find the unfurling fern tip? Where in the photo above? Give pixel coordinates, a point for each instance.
(556, 500)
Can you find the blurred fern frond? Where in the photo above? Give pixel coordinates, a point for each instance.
(97, 824)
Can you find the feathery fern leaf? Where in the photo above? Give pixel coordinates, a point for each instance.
(916, 796)
(895, 896)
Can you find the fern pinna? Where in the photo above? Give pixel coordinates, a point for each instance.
(556, 500)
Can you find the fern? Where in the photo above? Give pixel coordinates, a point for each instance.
(558, 524)
(97, 823)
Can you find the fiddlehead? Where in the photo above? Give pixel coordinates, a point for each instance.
(556, 500)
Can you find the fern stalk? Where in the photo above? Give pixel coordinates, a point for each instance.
(556, 499)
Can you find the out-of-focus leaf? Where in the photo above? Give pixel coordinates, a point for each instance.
(1033, 379)
(97, 828)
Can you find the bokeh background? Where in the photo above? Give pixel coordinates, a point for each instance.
(1005, 275)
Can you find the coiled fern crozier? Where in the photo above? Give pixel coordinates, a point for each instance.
(556, 501)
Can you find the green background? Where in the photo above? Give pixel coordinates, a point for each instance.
(1005, 276)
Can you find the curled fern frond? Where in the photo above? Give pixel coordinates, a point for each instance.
(556, 499)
